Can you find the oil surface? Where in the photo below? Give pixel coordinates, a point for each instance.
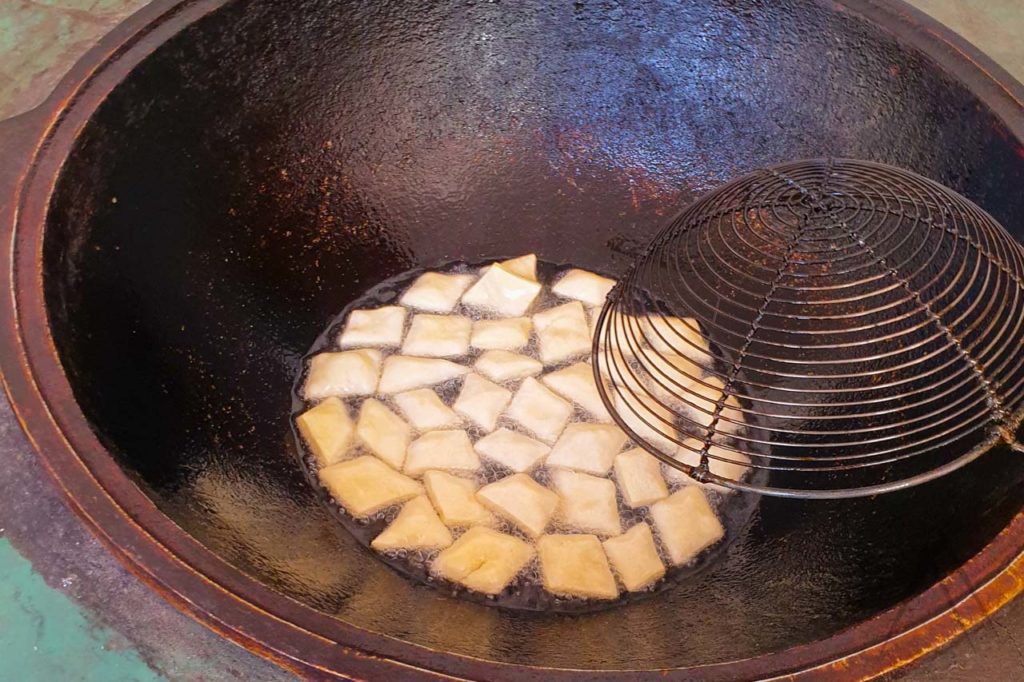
(525, 592)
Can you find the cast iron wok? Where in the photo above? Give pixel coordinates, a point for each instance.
(218, 180)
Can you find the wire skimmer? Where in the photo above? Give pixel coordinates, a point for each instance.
(822, 328)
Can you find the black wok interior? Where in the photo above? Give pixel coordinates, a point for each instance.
(274, 160)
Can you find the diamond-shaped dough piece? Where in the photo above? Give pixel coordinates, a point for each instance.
(523, 266)
(587, 502)
(502, 292)
(327, 429)
(483, 559)
(620, 332)
(627, 374)
(503, 365)
(686, 524)
(667, 375)
(404, 372)
(518, 452)
(539, 410)
(482, 401)
(448, 450)
(436, 292)
(562, 332)
(701, 398)
(638, 474)
(689, 453)
(677, 335)
(650, 419)
(425, 410)
(576, 383)
(351, 372)
(383, 432)
(438, 336)
(417, 526)
(521, 500)
(376, 327)
(634, 556)
(511, 333)
(584, 286)
(366, 485)
(731, 419)
(455, 500)
(576, 566)
(593, 316)
(587, 447)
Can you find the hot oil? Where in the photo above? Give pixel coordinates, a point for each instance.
(526, 591)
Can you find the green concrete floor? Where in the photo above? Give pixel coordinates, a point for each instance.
(44, 635)
(68, 612)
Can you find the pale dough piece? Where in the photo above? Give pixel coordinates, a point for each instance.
(521, 500)
(365, 485)
(702, 398)
(686, 524)
(731, 419)
(576, 566)
(668, 375)
(523, 266)
(677, 335)
(584, 286)
(562, 332)
(448, 450)
(639, 477)
(576, 383)
(377, 327)
(503, 365)
(622, 370)
(507, 334)
(482, 401)
(644, 369)
(634, 556)
(518, 452)
(502, 292)
(593, 316)
(436, 292)
(587, 447)
(455, 500)
(438, 336)
(351, 372)
(587, 503)
(689, 453)
(621, 331)
(383, 432)
(404, 372)
(327, 429)
(539, 410)
(425, 410)
(483, 560)
(417, 526)
(649, 419)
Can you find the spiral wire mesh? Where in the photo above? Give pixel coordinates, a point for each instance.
(823, 328)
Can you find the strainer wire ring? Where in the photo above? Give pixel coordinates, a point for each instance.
(938, 407)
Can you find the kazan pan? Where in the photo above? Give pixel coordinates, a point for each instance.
(216, 181)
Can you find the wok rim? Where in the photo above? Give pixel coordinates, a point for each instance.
(296, 636)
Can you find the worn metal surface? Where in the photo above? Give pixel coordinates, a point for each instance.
(997, 616)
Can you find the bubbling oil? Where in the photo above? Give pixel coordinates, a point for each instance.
(526, 591)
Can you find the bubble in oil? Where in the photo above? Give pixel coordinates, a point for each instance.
(526, 591)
